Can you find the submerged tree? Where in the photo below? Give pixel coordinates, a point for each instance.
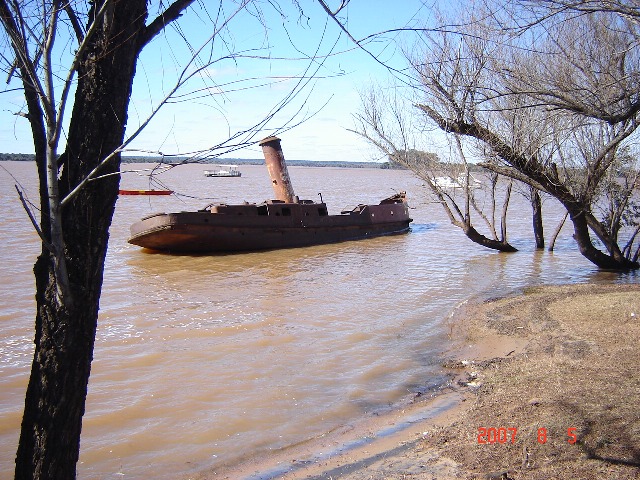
(384, 122)
(552, 90)
(563, 153)
(78, 187)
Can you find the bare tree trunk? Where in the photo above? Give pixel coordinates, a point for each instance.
(529, 171)
(476, 237)
(627, 248)
(590, 252)
(552, 241)
(65, 334)
(536, 206)
(505, 208)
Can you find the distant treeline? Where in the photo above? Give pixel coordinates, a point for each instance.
(24, 157)
(17, 157)
(259, 161)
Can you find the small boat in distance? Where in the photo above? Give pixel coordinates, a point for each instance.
(145, 192)
(453, 183)
(285, 222)
(223, 171)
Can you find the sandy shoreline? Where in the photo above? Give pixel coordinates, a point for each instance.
(544, 385)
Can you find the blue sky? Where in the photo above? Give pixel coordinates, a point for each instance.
(222, 101)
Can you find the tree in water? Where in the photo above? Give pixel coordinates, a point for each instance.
(550, 91)
(385, 123)
(558, 149)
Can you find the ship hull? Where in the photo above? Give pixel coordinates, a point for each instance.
(238, 228)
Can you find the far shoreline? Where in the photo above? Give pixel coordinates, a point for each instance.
(170, 160)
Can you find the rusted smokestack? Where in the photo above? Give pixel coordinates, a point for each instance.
(274, 158)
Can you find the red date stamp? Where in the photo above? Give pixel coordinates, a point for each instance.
(497, 435)
(491, 435)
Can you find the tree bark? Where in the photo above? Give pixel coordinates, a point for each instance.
(64, 339)
(554, 237)
(580, 220)
(476, 237)
(536, 207)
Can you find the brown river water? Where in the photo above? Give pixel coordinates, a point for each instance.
(204, 360)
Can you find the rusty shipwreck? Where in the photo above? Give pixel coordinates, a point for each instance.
(284, 222)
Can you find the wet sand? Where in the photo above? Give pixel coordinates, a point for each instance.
(544, 384)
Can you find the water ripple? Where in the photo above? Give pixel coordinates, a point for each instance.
(205, 359)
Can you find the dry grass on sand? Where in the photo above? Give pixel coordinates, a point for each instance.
(578, 370)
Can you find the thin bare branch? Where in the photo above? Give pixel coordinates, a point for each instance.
(172, 13)
(34, 222)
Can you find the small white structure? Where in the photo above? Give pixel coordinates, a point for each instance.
(223, 171)
(449, 182)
